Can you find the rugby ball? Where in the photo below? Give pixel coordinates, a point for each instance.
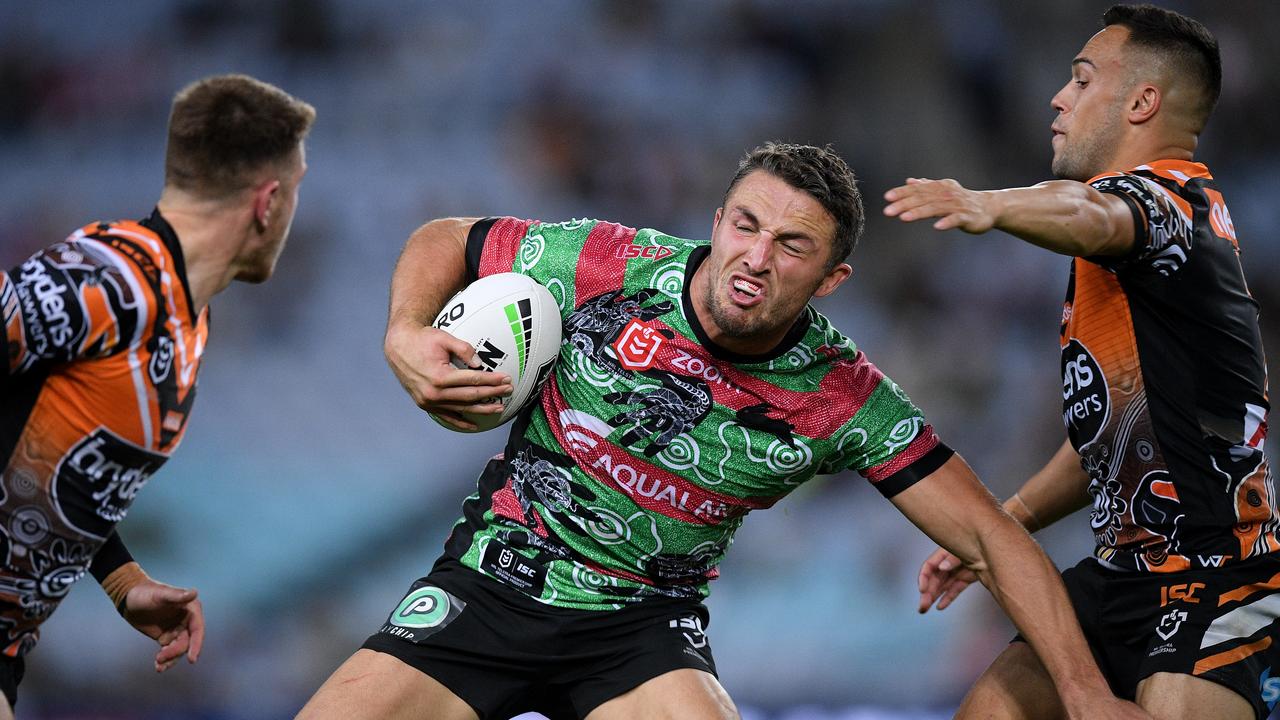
(514, 325)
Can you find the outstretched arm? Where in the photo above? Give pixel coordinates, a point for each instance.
(1057, 490)
(1064, 216)
(952, 507)
(432, 267)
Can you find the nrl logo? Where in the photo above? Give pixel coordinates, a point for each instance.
(637, 347)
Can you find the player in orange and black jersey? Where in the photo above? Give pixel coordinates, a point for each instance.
(1164, 388)
(102, 340)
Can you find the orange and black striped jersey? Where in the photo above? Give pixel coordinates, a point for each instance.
(1164, 382)
(101, 351)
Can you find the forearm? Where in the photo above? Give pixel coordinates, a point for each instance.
(432, 267)
(1057, 490)
(1027, 586)
(1064, 216)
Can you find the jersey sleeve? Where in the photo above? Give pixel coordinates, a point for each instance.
(1162, 230)
(888, 441)
(580, 257)
(73, 300)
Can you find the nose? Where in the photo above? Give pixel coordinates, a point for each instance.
(757, 258)
(1058, 101)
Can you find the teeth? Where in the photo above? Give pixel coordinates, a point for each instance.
(746, 287)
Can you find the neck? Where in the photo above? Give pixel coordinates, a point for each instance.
(210, 233)
(1150, 147)
(754, 345)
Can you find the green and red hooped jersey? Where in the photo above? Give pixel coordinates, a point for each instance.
(1164, 383)
(650, 443)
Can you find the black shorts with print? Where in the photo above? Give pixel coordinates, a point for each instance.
(505, 653)
(1219, 624)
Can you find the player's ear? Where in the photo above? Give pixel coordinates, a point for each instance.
(1145, 103)
(264, 195)
(715, 222)
(834, 278)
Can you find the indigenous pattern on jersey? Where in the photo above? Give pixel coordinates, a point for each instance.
(650, 444)
(101, 353)
(1164, 382)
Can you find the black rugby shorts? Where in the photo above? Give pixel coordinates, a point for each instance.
(504, 653)
(1220, 624)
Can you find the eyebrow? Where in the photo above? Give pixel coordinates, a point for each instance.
(793, 235)
(1082, 60)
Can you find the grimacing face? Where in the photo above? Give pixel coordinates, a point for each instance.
(769, 250)
(1091, 108)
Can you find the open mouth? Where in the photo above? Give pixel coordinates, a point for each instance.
(746, 287)
(745, 292)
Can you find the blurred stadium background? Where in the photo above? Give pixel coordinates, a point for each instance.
(310, 491)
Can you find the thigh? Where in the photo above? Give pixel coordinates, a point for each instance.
(1171, 696)
(375, 685)
(1015, 687)
(676, 695)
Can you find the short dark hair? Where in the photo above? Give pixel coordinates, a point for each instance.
(820, 172)
(224, 129)
(1183, 42)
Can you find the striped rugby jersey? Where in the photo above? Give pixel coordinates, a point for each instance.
(1164, 382)
(102, 352)
(650, 444)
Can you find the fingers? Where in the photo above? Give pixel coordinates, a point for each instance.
(169, 652)
(455, 420)
(950, 593)
(462, 350)
(195, 625)
(170, 595)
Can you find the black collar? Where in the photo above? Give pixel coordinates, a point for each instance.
(158, 225)
(794, 335)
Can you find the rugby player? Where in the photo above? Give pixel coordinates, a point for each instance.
(694, 384)
(103, 335)
(1163, 386)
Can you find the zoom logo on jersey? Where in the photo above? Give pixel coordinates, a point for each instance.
(422, 613)
(1086, 404)
(97, 479)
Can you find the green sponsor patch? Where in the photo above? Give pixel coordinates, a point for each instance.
(423, 608)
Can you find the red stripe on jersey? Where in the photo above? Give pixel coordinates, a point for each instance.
(924, 442)
(649, 486)
(502, 245)
(599, 268)
(815, 414)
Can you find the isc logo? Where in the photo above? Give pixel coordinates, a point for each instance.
(653, 252)
(1186, 592)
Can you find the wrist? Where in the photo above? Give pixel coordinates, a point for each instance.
(121, 580)
(1022, 512)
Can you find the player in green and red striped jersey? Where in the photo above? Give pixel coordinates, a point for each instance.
(694, 384)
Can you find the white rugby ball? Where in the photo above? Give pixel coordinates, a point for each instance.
(514, 325)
